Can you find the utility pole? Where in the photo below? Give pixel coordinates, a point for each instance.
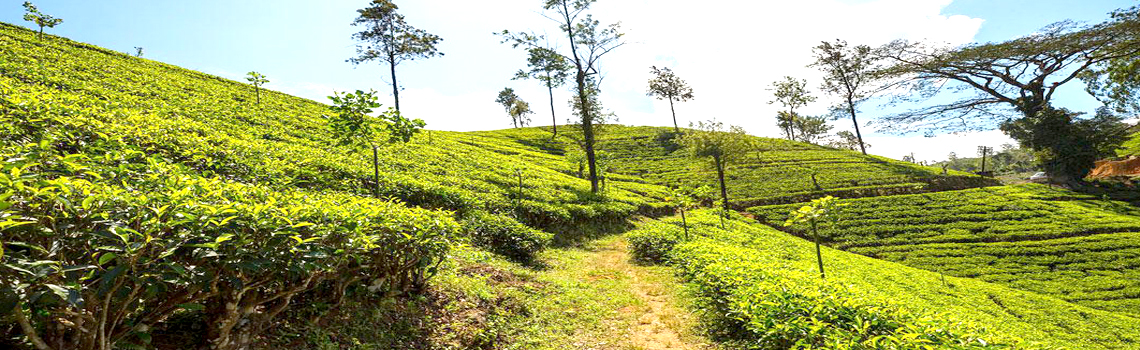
(984, 150)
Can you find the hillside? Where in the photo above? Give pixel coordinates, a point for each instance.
(144, 205)
(779, 171)
(1054, 242)
(760, 288)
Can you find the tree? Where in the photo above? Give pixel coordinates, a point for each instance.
(550, 68)
(515, 107)
(846, 140)
(257, 80)
(791, 94)
(39, 18)
(812, 128)
(388, 38)
(1068, 147)
(138, 51)
(685, 199)
(723, 147)
(589, 42)
(668, 86)
(353, 125)
(820, 209)
(1009, 85)
(848, 74)
(1116, 82)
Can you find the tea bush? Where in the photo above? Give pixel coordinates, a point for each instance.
(505, 236)
(1060, 243)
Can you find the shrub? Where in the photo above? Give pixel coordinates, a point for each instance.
(505, 236)
(652, 242)
(97, 254)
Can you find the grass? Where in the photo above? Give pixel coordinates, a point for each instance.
(1055, 242)
(740, 270)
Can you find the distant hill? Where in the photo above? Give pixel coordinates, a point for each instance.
(779, 171)
(1054, 242)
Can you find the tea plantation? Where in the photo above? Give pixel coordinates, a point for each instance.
(759, 288)
(1029, 237)
(778, 171)
(144, 206)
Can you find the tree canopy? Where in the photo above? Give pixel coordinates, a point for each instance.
(666, 85)
(849, 74)
(791, 94)
(387, 37)
(33, 14)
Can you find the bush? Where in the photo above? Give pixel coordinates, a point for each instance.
(652, 242)
(95, 255)
(505, 236)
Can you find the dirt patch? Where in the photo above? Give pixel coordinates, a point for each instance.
(655, 327)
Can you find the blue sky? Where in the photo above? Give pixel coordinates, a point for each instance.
(728, 50)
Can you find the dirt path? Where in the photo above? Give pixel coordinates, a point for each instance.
(659, 323)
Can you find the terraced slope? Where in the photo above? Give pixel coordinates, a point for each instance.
(214, 126)
(780, 171)
(1030, 237)
(760, 288)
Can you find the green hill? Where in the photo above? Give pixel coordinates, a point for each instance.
(1054, 242)
(144, 205)
(760, 288)
(779, 171)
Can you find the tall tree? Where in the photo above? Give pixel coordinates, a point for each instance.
(388, 38)
(257, 80)
(41, 19)
(712, 141)
(589, 42)
(1008, 84)
(791, 94)
(353, 124)
(848, 75)
(515, 107)
(665, 85)
(550, 68)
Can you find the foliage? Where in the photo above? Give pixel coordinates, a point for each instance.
(849, 74)
(846, 140)
(1009, 160)
(1116, 82)
(791, 94)
(812, 128)
(589, 41)
(505, 236)
(1065, 146)
(772, 172)
(665, 85)
(515, 107)
(993, 79)
(254, 78)
(550, 68)
(1054, 242)
(138, 51)
(756, 289)
(652, 242)
(388, 38)
(711, 141)
(39, 18)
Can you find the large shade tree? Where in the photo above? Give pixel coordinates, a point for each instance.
(589, 41)
(388, 38)
(848, 74)
(666, 85)
(1010, 85)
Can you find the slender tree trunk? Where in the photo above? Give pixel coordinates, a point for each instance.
(40, 37)
(685, 223)
(720, 176)
(257, 91)
(675, 127)
(851, 109)
(553, 118)
(818, 253)
(395, 85)
(375, 172)
(583, 99)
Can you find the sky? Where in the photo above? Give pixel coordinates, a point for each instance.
(728, 51)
